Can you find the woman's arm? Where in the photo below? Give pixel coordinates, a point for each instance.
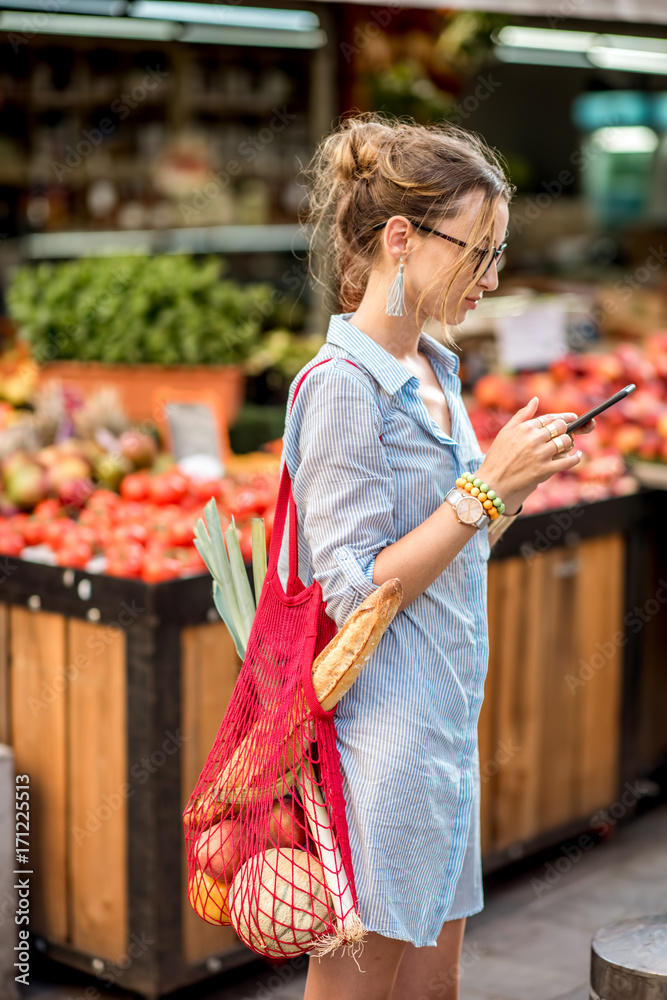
(343, 488)
(342, 483)
(419, 557)
(521, 457)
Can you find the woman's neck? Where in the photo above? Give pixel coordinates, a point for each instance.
(399, 335)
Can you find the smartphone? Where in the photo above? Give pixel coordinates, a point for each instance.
(585, 417)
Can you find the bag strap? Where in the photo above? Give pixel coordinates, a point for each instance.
(286, 508)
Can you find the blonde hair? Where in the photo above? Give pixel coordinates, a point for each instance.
(372, 167)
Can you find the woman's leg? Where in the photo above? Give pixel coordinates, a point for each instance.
(432, 972)
(337, 976)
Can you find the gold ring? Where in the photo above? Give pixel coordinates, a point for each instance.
(560, 443)
(543, 421)
(553, 430)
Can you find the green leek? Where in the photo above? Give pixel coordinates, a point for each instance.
(258, 555)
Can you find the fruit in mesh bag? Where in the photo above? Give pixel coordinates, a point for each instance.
(209, 898)
(287, 824)
(219, 850)
(278, 903)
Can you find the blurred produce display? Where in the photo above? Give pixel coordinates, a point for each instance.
(634, 429)
(165, 310)
(419, 63)
(283, 353)
(111, 494)
(146, 530)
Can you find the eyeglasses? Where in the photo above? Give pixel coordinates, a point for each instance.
(482, 255)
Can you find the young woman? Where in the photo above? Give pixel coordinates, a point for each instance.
(414, 221)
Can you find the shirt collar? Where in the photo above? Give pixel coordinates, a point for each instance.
(382, 365)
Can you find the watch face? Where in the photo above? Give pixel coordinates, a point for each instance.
(469, 510)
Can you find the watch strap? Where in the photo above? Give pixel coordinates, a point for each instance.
(454, 497)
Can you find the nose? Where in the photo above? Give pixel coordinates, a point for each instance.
(489, 281)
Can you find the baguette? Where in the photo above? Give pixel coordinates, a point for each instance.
(339, 664)
(334, 672)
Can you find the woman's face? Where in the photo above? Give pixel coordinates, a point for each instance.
(429, 256)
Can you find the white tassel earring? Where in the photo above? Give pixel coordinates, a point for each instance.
(396, 293)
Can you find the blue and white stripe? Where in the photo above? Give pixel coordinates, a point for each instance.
(407, 729)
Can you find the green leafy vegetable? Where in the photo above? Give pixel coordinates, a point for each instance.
(167, 309)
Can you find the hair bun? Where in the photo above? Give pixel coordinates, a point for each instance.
(356, 153)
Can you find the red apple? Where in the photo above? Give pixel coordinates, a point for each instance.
(287, 824)
(74, 493)
(219, 850)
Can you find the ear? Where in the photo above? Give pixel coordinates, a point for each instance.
(396, 234)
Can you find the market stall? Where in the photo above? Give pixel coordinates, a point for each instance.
(112, 691)
(150, 257)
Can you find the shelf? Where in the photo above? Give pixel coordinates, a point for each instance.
(220, 104)
(204, 239)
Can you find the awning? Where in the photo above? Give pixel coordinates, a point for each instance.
(647, 11)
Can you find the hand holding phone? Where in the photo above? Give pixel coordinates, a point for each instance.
(616, 398)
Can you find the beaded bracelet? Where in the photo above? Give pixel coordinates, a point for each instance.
(491, 502)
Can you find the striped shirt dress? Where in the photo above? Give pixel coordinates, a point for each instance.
(368, 464)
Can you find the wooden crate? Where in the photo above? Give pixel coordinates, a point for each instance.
(111, 692)
(550, 724)
(112, 719)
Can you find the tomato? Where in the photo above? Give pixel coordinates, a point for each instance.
(88, 535)
(17, 522)
(182, 530)
(46, 510)
(167, 515)
(74, 553)
(104, 534)
(125, 560)
(168, 487)
(203, 491)
(58, 533)
(131, 512)
(130, 533)
(11, 542)
(245, 502)
(33, 531)
(136, 486)
(88, 516)
(189, 502)
(159, 567)
(266, 489)
(160, 539)
(269, 518)
(103, 501)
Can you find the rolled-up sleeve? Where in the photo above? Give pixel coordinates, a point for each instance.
(343, 485)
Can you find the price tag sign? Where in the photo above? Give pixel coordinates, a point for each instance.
(193, 428)
(532, 339)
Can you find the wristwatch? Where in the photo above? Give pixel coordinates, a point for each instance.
(469, 510)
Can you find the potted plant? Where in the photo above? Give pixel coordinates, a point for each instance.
(139, 324)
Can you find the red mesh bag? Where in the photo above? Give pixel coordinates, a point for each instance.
(265, 827)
